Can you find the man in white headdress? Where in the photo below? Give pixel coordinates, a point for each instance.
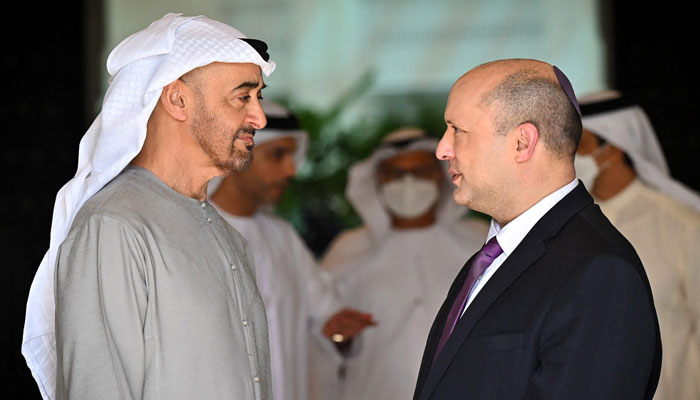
(399, 264)
(298, 295)
(155, 294)
(621, 163)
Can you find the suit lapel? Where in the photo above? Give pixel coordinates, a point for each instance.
(522, 258)
(439, 324)
(531, 248)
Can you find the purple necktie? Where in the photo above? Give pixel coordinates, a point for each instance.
(483, 259)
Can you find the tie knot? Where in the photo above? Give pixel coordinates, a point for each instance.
(492, 249)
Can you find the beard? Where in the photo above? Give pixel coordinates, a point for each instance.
(211, 135)
(240, 160)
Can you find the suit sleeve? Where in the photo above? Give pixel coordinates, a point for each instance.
(101, 298)
(600, 336)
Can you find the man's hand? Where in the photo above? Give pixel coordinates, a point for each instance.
(346, 324)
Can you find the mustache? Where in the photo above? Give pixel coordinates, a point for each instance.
(245, 130)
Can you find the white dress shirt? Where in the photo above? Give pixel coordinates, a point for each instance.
(510, 236)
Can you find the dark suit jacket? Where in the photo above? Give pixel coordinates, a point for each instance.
(568, 315)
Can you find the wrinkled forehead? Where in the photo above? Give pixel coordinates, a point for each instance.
(463, 103)
(474, 84)
(466, 94)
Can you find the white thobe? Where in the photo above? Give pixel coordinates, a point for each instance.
(297, 294)
(666, 235)
(402, 283)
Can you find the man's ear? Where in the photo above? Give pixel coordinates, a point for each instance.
(527, 136)
(176, 99)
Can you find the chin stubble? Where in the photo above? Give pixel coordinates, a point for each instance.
(240, 160)
(204, 125)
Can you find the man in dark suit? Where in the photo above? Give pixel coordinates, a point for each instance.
(557, 304)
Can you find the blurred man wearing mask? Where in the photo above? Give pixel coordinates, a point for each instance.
(621, 163)
(399, 265)
(298, 296)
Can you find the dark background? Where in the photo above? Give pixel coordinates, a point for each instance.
(49, 75)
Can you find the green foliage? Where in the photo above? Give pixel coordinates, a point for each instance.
(315, 201)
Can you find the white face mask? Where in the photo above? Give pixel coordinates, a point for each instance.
(586, 169)
(409, 197)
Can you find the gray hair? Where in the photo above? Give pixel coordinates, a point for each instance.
(526, 96)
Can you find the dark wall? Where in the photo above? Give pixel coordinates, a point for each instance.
(48, 73)
(43, 117)
(652, 44)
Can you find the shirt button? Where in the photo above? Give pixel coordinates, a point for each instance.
(233, 267)
(204, 205)
(256, 379)
(245, 323)
(208, 219)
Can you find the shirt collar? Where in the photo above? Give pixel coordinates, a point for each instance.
(510, 236)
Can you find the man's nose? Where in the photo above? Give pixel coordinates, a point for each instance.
(256, 117)
(444, 150)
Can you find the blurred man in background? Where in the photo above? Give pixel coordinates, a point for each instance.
(299, 300)
(399, 264)
(622, 165)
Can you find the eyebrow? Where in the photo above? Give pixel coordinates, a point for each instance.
(250, 85)
(449, 122)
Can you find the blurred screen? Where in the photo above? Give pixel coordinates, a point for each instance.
(324, 47)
